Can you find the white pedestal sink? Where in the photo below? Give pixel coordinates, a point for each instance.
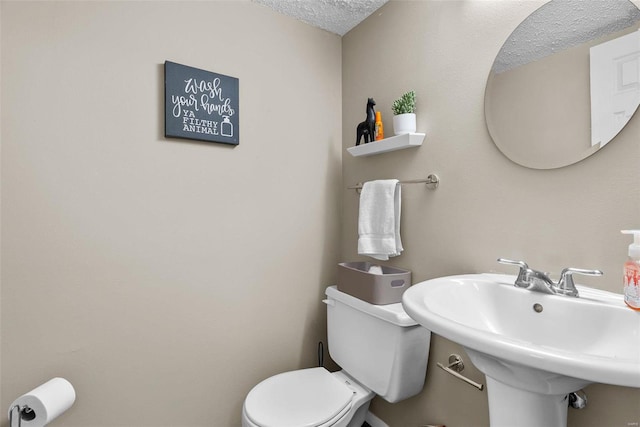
(534, 348)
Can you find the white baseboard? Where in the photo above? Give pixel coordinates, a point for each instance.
(375, 421)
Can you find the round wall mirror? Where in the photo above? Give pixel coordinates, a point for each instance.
(565, 82)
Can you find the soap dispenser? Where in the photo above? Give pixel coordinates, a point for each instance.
(632, 272)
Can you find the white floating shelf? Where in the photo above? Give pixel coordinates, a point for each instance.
(394, 143)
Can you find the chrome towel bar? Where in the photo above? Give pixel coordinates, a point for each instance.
(432, 181)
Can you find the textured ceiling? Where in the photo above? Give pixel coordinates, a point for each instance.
(562, 24)
(336, 16)
(557, 25)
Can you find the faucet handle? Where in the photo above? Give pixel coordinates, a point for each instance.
(523, 265)
(522, 274)
(566, 286)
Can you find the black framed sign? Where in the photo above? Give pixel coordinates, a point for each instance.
(200, 105)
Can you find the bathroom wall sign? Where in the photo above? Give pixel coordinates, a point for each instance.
(200, 105)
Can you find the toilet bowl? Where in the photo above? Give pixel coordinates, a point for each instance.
(311, 397)
(381, 350)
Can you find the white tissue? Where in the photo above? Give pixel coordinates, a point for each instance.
(48, 401)
(375, 269)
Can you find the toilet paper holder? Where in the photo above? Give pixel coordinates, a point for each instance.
(24, 412)
(43, 404)
(455, 366)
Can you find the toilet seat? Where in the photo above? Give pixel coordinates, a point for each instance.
(305, 398)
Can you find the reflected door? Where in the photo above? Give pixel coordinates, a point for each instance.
(615, 86)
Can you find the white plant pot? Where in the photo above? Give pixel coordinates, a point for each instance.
(404, 123)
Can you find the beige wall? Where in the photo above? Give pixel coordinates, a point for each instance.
(486, 206)
(163, 278)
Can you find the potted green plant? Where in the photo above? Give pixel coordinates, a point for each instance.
(404, 117)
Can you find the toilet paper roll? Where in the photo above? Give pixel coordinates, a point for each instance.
(47, 401)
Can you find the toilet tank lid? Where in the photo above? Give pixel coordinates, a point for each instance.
(392, 313)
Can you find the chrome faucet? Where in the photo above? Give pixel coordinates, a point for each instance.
(538, 281)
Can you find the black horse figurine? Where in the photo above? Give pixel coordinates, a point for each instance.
(367, 128)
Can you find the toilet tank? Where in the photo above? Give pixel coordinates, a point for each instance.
(380, 346)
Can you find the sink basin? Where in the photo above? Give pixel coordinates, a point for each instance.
(532, 347)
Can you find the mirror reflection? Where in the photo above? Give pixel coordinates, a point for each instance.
(566, 57)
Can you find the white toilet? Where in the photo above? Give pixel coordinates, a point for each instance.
(381, 351)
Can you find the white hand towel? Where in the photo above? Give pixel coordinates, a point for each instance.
(379, 219)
